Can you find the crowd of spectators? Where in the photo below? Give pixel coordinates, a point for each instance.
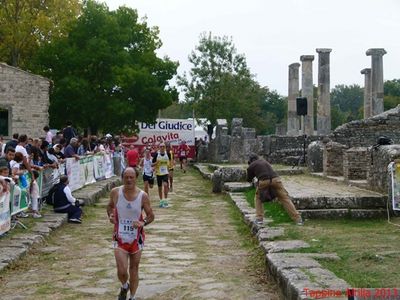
(23, 154)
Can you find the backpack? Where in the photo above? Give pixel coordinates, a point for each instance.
(384, 140)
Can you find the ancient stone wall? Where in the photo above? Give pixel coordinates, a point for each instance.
(315, 156)
(285, 149)
(333, 159)
(355, 163)
(364, 133)
(378, 176)
(26, 97)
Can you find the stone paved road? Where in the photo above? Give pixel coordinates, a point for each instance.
(193, 251)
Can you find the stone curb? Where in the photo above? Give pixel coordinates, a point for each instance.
(294, 272)
(19, 245)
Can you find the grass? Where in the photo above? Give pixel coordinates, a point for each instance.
(273, 210)
(369, 250)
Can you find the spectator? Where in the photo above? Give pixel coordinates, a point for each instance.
(84, 148)
(69, 151)
(132, 156)
(64, 202)
(22, 141)
(69, 132)
(269, 179)
(5, 160)
(34, 193)
(57, 138)
(58, 152)
(12, 143)
(15, 164)
(2, 145)
(49, 135)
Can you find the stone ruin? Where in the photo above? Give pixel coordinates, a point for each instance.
(348, 151)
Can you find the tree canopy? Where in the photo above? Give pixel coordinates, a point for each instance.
(391, 96)
(220, 85)
(106, 72)
(28, 24)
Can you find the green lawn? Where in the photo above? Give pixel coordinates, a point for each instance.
(369, 249)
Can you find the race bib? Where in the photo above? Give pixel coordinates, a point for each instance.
(164, 170)
(126, 231)
(183, 153)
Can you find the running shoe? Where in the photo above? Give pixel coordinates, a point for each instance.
(300, 222)
(36, 215)
(259, 222)
(123, 293)
(73, 220)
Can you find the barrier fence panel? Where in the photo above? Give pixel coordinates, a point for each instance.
(19, 194)
(86, 170)
(5, 213)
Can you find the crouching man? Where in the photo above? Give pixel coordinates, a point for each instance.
(268, 178)
(64, 202)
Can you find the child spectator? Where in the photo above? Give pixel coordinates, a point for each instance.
(34, 193)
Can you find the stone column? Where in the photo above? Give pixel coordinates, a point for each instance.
(293, 119)
(367, 93)
(324, 95)
(376, 79)
(307, 91)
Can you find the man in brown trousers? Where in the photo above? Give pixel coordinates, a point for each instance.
(267, 177)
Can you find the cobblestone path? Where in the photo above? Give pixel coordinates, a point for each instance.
(193, 251)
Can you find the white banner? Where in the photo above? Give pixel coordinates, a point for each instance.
(99, 167)
(394, 169)
(86, 170)
(109, 165)
(74, 174)
(5, 214)
(171, 130)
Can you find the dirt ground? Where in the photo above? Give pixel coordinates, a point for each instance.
(194, 250)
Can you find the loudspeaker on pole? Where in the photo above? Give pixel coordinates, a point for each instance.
(301, 106)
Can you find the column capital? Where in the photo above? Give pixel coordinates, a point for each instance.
(366, 71)
(323, 50)
(306, 57)
(376, 51)
(294, 65)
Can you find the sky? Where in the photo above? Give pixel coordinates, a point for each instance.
(272, 34)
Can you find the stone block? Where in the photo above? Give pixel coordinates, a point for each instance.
(270, 233)
(282, 246)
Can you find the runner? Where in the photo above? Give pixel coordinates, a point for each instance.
(171, 166)
(161, 162)
(125, 211)
(146, 165)
(183, 152)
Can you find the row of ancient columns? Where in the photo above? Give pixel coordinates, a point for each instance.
(373, 83)
(373, 91)
(307, 91)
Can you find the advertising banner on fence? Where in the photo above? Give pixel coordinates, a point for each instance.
(394, 168)
(5, 214)
(86, 170)
(73, 173)
(165, 130)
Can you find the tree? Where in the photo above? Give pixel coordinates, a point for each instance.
(391, 96)
(106, 73)
(220, 85)
(27, 24)
(348, 101)
(274, 108)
